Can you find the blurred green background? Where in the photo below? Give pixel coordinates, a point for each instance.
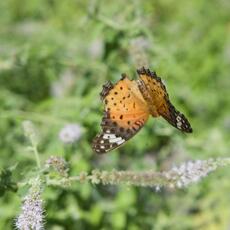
(54, 58)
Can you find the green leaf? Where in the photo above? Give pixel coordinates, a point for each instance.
(6, 183)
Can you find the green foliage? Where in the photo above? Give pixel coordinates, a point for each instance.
(33, 69)
(6, 183)
(54, 58)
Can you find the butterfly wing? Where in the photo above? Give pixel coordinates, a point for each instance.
(155, 91)
(125, 114)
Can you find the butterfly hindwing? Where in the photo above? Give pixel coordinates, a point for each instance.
(125, 113)
(158, 99)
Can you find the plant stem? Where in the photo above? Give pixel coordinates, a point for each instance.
(36, 154)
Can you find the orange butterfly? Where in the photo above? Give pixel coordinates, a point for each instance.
(128, 105)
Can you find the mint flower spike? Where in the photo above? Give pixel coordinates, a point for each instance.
(177, 177)
(32, 213)
(193, 171)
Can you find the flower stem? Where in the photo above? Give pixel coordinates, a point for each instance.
(176, 177)
(36, 154)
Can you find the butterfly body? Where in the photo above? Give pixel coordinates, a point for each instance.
(128, 105)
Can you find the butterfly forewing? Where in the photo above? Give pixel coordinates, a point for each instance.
(159, 104)
(125, 113)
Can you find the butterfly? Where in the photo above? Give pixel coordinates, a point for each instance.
(128, 105)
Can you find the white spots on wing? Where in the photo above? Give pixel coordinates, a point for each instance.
(109, 136)
(115, 140)
(179, 124)
(178, 121)
(121, 141)
(164, 82)
(178, 118)
(108, 140)
(112, 138)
